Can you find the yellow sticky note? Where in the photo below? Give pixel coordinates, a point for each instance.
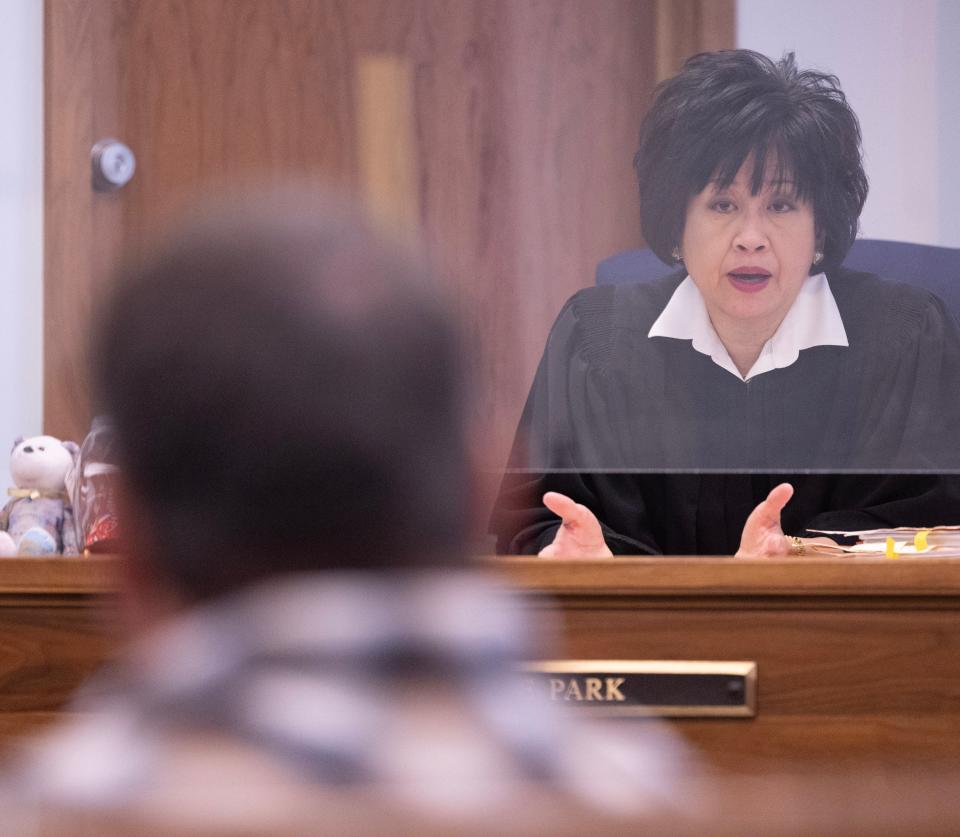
(920, 540)
(891, 548)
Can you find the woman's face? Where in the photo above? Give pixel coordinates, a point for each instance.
(748, 254)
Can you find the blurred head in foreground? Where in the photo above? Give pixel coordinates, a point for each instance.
(288, 396)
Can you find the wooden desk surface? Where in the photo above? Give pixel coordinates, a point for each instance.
(57, 576)
(858, 659)
(860, 577)
(53, 634)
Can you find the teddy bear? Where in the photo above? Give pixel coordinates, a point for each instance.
(38, 519)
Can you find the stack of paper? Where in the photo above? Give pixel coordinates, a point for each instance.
(942, 541)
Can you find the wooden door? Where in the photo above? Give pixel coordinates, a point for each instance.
(525, 118)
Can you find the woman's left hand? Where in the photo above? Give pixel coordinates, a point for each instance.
(762, 534)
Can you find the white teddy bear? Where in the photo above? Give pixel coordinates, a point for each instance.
(38, 519)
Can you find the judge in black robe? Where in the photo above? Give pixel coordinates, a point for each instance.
(672, 452)
(751, 178)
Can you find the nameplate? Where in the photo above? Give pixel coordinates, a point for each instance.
(667, 688)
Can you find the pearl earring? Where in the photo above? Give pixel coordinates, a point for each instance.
(817, 257)
(676, 255)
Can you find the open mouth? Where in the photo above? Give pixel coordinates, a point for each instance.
(749, 280)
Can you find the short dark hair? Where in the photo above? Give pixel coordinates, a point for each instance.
(288, 396)
(725, 107)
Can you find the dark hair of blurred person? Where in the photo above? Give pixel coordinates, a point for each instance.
(288, 396)
(289, 402)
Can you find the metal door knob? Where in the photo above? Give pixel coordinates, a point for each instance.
(113, 165)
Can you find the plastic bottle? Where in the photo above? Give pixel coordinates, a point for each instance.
(92, 488)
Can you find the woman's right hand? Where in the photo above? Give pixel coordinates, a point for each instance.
(579, 535)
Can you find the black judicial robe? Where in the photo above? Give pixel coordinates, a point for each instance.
(672, 452)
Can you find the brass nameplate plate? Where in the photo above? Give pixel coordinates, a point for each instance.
(667, 688)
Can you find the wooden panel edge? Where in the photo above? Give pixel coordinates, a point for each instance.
(724, 576)
(59, 575)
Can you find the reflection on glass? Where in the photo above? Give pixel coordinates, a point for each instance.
(671, 408)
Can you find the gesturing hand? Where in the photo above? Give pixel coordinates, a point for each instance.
(762, 534)
(579, 536)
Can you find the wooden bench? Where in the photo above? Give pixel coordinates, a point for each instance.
(858, 660)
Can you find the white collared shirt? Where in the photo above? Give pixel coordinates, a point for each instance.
(813, 320)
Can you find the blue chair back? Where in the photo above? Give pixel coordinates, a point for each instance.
(935, 268)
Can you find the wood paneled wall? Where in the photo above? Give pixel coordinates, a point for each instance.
(526, 116)
(83, 231)
(686, 27)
